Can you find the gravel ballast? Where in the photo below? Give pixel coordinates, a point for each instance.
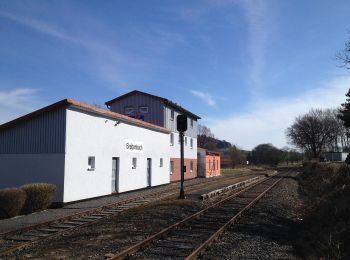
(266, 231)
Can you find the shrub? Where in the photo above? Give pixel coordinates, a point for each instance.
(39, 196)
(11, 202)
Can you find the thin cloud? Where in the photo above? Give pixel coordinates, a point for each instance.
(37, 25)
(206, 97)
(259, 26)
(16, 102)
(267, 120)
(104, 58)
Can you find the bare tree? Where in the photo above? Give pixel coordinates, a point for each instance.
(315, 132)
(205, 137)
(204, 130)
(344, 56)
(237, 156)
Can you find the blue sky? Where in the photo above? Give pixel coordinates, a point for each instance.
(246, 67)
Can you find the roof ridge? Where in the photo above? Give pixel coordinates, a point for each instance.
(165, 100)
(84, 106)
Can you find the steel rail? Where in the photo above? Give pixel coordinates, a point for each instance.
(151, 196)
(216, 235)
(142, 244)
(97, 209)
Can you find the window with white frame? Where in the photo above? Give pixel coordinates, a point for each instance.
(143, 109)
(185, 140)
(91, 163)
(161, 162)
(191, 123)
(128, 110)
(191, 143)
(171, 138)
(134, 163)
(191, 166)
(171, 167)
(172, 114)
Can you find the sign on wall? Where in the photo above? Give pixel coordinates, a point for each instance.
(133, 146)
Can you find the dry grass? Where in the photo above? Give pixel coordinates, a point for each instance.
(326, 229)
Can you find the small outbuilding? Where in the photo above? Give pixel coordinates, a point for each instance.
(335, 156)
(208, 163)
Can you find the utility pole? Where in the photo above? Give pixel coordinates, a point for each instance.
(182, 127)
(182, 191)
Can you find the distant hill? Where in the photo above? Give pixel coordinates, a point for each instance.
(230, 154)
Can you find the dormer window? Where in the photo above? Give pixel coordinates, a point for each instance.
(128, 110)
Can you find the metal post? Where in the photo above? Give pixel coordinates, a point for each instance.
(182, 163)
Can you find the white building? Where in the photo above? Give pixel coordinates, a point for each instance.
(84, 150)
(163, 112)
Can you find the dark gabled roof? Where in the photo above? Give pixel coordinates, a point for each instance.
(84, 107)
(166, 101)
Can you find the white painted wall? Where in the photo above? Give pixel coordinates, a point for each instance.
(19, 169)
(189, 153)
(92, 135)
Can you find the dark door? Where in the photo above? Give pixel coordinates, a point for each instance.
(115, 174)
(149, 171)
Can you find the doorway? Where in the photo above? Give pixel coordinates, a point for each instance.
(115, 174)
(149, 171)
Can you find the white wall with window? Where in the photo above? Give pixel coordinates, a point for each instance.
(134, 163)
(171, 138)
(107, 140)
(189, 152)
(172, 114)
(91, 163)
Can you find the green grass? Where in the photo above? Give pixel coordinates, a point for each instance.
(234, 171)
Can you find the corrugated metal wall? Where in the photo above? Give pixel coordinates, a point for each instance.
(42, 134)
(155, 112)
(171, 124)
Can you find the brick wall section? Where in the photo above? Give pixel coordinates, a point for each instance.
(210, 169)
(176, 176)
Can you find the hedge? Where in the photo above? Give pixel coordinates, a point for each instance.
(11, 202)
(39, 196)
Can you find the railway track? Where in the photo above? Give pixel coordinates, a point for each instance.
(23, 237)
(188, 238)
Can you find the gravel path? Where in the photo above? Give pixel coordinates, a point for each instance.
(266, 230)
